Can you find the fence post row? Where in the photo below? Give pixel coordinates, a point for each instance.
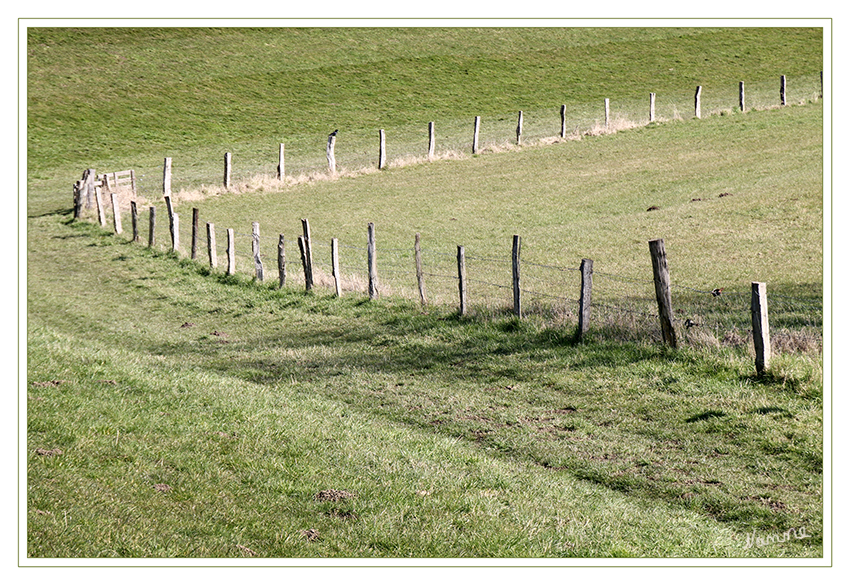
(231, 252)
(515, 274)
(585, 296)
(335, 267)
(281, 261)
(461, 279)
(371, 258)
(307, 255)
(420, 277)
(761, 329)
(661, 276)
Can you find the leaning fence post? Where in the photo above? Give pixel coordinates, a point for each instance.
(782, 90)
(382, 150)
(152, 227)
(420, 276)
(519, 129)
(211, 249)
(761, 329)
(116, 214)
(371, 257)
(661, 276)
(475, 133)
(134, 216)
(101, 216)
(515, 274)
(170, 211)
(335, 266)
(563, 121)
(281, 261)
(585, 296)
(431, 141)
(307, 284)
(227, 167)
(195, 220)
(308, 255)
(697, 105)
(741, 96)
(461, 279)
(166, 177)
(652, 107)
(231, 252)
(255, 249)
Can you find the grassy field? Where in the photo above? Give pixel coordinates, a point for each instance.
(174, 411)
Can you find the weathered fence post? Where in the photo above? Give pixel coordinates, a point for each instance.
(420, 277)
(308, 285)
(519, 129)
(231, 252)
(661, 276)
(227, 167)
(761, 329)
(134, 217)
(195, 220)
(697, 105)
(170, 210)
(152, 227)
(281, 260)
(330, 153)
(87, 186)
(741, 96)
(281, 170)
(255, 250)
(782, 90)
(175, 233)
(585, 296)
(101, 214)
(475, 132)
(607, 113)
(432, 143)
(563, 121)
(371, 258)
(515, 274)
(652, 107)
(382, 150)
(335, 267)
(211, 248)
(308, 255)
(461, 279)
(166, 177)
(116, 214)
(78, 198)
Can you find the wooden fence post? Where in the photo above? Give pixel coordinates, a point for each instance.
(101, 217)
(166, 177)
(761, 329)
(134, 217)
(782, 90)
(652, 107)
(308, 285)
(662, 291)
(515, 274)
(741, 96)
(563, 121)
(697, 105)
(152, 227)
(255, 250)
(175, 233)
(231, 252)
(78, 198)
(281, 170)
(607, 113)
(461, 279)
(330, 153)
(211, 248)
(335, 267)
(420, 277)
(116, 214)
(281, 261)
(170, 210)
(227, 167)
(519, 129)
(195, 220)
(308, 255)
(585, 296)
(475, 132)
(432, 143)
(382, 150)
(371, 258)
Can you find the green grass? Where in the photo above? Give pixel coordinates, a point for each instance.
(483, 436)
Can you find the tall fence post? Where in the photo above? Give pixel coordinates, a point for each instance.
(231, 252)
(170, 210)
(741, 103)
(697, 104)
(661, 276)
(152, 227)
(607, 113)
(228, 159)
(371, 258)
(585, 296)
(432, 143)
(175, 233)
(382, 150)
(761, 329)
(134, 218)
(307, 284)
(563, 120)
(515, 276)
(101, 215)
(116, 214)
(330, 153)
(420, 276)
(281, 260)
(335, 267)
(195, 220)
(255, 250)
(652, 107)
(519, 129)
(308, 255)
(461, 279)
(475, 133)
(166, 177)
(281, 169)
(211, 249)
(782, 87)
